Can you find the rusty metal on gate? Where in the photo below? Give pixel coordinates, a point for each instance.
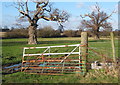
(45, 61)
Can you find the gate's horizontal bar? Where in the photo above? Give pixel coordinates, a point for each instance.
(56, 69)
(51, 46)
(47, 73)
(50, 54)
(64, 63)
(61, 66)
(51, 67)
(51, 60)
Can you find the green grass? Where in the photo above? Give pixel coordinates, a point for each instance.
(68, 78)
(12, 54)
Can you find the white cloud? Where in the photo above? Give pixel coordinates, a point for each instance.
(72, 23)
(116, 8)
(92, 8)
(114, 24)
(42, 23)
(79, 5)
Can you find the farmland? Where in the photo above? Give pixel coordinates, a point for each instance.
(12, 54)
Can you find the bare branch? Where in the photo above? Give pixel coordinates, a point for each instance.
(106, 18)
(45, 4)
(60, 16)
(26, 4)
(41, 4)
(38, 11)
(46, 18)
(25, 14)
(41, 7)
(97, 7)
(48, 10)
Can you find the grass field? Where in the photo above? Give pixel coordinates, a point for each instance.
(12, 54)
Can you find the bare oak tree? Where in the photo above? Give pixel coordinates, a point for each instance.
(95, 20)
(42, 11)
(60, 17)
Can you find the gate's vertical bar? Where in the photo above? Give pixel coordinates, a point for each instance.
(63, 67)
(84, 51)
(23, 58)
(49, 51)
(42, 64)
(79, 58)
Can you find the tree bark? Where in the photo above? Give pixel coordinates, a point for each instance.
(32, 34)
(96, 37)
(96, 34)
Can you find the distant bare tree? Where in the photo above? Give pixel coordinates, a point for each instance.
(60, 17)
(42, 11)
(95, 20)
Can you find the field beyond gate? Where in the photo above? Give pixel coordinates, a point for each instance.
(49, 60)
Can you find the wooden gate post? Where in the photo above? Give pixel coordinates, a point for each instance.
(113, 45)
(84, 51)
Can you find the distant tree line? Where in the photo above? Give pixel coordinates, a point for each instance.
(49, 32)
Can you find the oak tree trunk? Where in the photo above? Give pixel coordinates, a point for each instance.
(96, 37)
(96, 34)
(32, 34)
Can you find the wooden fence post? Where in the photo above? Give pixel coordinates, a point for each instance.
(84, 50)
(113, 45)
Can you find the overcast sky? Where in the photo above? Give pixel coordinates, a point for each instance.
(9, 14)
